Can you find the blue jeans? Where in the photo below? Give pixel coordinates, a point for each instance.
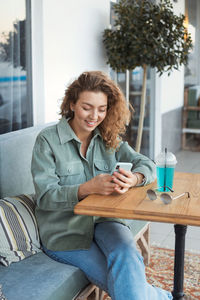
(113, 263)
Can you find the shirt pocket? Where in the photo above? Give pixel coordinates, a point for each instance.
(71, 173)
(103, 167)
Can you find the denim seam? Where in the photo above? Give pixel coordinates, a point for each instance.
(103, 245)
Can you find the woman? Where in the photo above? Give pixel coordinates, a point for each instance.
(76, 158)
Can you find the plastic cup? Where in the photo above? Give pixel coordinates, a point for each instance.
(165, 167)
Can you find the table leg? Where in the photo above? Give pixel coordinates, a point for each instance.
(180, 231)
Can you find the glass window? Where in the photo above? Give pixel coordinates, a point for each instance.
(191, 117)
(192, 22)
(15, 62)
(135, 91)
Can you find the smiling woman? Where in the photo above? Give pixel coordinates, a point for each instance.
(76, 158)
(100, 85)
(89, 111)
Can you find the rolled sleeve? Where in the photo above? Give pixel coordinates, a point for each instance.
(141, 163)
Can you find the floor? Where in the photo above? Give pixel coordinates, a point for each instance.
(162, 234)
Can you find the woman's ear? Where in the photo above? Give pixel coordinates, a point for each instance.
(72, 106)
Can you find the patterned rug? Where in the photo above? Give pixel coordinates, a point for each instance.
(161, 268)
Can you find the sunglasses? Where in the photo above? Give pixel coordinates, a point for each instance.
(164, 197)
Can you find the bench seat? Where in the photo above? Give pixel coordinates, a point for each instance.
(40, 277)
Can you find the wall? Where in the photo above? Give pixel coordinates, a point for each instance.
(172, 129)
(169, 92)
(72, 32)
(172, 88)
(67, 40)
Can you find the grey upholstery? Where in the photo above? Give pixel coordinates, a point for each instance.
(36, 277)
(15, 161)
(39, 277)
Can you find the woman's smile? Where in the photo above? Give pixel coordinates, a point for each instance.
(91, 123)
(89, 111)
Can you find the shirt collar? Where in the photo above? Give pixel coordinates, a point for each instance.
(67, 134)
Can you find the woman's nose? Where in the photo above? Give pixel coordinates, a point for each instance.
(94, 114)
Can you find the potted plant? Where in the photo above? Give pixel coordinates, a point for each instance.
(146, 34)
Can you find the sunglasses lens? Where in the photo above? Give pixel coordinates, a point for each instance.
(166, 198)
(151, 194)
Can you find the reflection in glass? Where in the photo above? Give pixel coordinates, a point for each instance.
(192, 21)
(13, 70)
(136, 77)
(191, 118)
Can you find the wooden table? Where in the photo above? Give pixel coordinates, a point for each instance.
(134, 204)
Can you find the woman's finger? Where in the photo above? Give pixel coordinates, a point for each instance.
(120, 176)
(125, 173)
(121, 183)
(121, 190)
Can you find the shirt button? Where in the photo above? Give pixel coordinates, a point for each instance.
(69, 170)
(106, 167)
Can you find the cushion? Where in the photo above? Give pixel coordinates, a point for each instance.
(19, 237)
(39, 277)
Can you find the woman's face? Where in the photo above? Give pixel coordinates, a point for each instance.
(89, 111)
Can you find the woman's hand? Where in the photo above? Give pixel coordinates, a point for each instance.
(125, 180)
(101, 184)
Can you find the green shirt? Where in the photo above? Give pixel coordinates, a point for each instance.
(58, 169)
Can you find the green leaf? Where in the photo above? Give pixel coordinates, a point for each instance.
(147, 33)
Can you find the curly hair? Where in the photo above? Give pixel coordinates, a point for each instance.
(118, 114)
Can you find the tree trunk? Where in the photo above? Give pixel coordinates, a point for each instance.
(127, 86)
(142, 110)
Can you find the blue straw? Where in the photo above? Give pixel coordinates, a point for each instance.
(165, 175)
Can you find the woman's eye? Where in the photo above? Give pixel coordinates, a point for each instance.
(100, 110)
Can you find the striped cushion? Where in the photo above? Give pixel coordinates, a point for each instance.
(19, 236)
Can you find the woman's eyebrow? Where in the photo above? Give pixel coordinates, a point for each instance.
(89, 104)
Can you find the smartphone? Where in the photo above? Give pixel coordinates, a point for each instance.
(124, 165)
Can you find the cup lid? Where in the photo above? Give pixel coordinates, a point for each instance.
(166, 157)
